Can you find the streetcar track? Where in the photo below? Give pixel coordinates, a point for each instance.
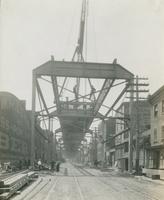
(52, 189)
(83, 171)
(98, 179)
(132, 189)
(79, 188)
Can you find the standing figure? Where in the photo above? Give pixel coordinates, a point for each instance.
(92, 94)
(58, 166)
(75, 92)
(39, 164)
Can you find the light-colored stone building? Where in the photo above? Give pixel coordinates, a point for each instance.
(106, 130)
(156, 157)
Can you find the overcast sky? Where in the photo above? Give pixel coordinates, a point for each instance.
(31, 30)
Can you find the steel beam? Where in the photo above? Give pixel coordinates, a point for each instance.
(83, 70)
(118, 98)
(65, 79)
(41, 95)
(102, 95)
(56, 92)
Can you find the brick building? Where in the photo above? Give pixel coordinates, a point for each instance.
(122, 131)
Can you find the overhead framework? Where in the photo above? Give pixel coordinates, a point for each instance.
(76, 113)
(76, 116)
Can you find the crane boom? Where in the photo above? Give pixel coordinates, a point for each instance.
(80, 44)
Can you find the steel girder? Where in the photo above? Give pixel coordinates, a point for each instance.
(83, 70)
(54, 69)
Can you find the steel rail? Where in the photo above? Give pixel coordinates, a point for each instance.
(79, 188)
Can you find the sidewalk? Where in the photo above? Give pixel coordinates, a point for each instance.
(107, 172)
(145, 178)
(115, 172)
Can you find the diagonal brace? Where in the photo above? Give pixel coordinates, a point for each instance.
(103, 93)
(41, 95)
(56, 92)
(118, 98)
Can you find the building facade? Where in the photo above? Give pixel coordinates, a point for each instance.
(156, 156)
(14, 130)
(15, 134)
(105, 143)
(140, 119)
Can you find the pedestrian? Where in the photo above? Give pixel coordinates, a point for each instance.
(39, 164)
(52, 165)
(58, 166)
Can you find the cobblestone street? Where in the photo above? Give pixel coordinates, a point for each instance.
(79, 184)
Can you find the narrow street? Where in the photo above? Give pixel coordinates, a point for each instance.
(73, 183)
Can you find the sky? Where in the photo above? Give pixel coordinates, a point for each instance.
(33, 30)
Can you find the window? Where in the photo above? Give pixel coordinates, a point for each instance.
(126, 147)
(2, 122)
(156, 110)
(162, 132)
(162, 106)
(155, 135)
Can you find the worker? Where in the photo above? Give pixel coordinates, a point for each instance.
(52, 165)
(58, 166)
(39, 164)
(75, 91)
(115, 61)
(92, 94)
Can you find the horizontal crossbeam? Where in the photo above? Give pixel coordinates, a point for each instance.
(83, 70)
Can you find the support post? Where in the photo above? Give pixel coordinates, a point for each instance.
(130, 163)
(32, 158)
(49, 140)
(54, 143)
(138, 127)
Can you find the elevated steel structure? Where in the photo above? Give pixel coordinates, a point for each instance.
(76, 115)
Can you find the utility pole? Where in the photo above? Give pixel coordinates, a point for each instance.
(95, 145)
(54, 144)
(138, 126)
(130, 162)
(135, 119)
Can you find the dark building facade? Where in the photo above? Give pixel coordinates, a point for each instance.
(14, 130)
(15, 134)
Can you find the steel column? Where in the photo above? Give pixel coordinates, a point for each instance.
(130, 161)
(32, 159)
